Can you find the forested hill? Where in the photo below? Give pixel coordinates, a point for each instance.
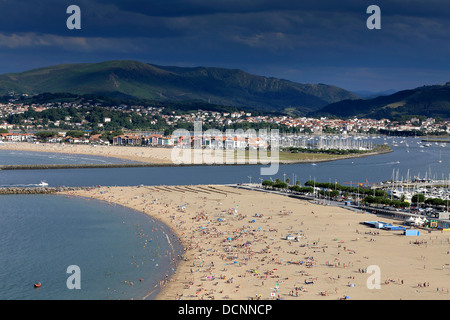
(126, 79)
(430, 101)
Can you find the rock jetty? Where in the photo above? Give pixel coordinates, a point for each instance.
(37, 190)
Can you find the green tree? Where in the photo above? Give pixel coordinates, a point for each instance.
(75, 134)
(43, 135)
(280, 185)
(418, 198)
(267, 183)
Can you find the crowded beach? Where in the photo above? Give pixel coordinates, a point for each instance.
(242, 244)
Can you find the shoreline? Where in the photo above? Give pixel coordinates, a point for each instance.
(155, 292)
(236, 247)
(174, 241)
(141, 156)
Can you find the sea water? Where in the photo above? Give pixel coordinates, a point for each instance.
(407, 160)
(121, 253)
(19, 157)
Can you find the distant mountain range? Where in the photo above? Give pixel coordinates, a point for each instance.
(133, 80)
(429, 101)
(137, 80)
(365, 94)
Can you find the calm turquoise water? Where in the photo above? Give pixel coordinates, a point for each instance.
(41, 235)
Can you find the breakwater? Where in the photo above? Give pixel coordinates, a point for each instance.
(110, 165)
(77, 166)
(38, 190)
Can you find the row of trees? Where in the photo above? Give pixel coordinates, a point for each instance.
(386, 201)
(379, 197)
(435, 202)
(346, 189)
(416, 199)
(278, 184)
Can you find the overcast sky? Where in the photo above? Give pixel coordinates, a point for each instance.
(323, 41)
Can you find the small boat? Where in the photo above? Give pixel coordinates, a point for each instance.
(37, 285)
(43, 184)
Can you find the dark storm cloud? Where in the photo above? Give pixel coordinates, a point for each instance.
(98, 19)
(300, 40)
(163, 17)
(170, 8)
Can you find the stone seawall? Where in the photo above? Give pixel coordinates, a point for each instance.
(38, 190)
(73, 166)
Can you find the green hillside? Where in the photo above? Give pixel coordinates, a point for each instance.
(132, 79)
(429, 101)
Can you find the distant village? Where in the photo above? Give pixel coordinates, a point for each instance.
(21, 122)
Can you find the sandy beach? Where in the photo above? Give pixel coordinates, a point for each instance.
(140, 154)
(173, 156)
(236, 247)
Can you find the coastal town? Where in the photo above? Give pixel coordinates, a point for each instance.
(241, 244)
(153, 125)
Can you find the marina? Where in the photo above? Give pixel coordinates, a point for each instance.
(327, 142)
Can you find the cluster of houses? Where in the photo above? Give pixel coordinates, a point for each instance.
(161, 117)
(152, 140)
(17, 137)
(356, 125)
(203, 141)
(61, 137)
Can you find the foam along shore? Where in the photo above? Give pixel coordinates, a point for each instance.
(243, 244)
(168, 156)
